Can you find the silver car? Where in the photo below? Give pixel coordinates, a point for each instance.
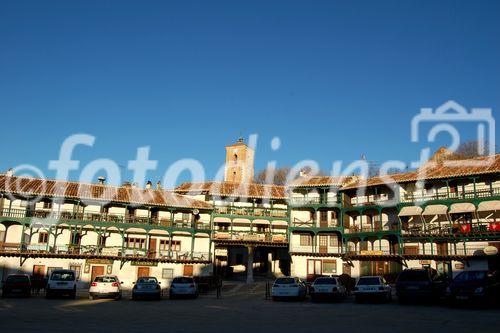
(147, 287)
(327, 288)
(183, 287)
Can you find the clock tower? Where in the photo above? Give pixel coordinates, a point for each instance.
(239, 163)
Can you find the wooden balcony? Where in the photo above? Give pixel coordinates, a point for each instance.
(252, 211)
(103, 217)
(459, 195)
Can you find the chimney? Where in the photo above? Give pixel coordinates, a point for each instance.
(158, 185)
(303, 173)
(101, 180)
(127, 184)
(149, 185)
(10, 173)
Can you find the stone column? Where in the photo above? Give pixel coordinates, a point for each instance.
(250, 264)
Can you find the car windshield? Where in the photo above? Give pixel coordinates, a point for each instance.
(62, 276)
(183, 280)
(285, 281)
(326, 281)
(17, 279)
(413, 276)
(369, 281)
(471, 276)
(105, 279)
(147, 280)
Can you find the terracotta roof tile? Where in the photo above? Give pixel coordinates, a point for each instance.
(430, 171)
(25, 186)
(316, 181)
(230, 189)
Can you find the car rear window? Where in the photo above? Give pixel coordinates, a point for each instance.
(368, 281)
(62, 276)
(471, 276)
(326, 281)
(285, 281)
(105, 279)
(147, 280)
(183, 280)
(413, 276)
(17, 279)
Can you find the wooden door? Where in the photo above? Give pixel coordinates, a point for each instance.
(188, 270)
(142, 272)
(152, 248)
(442, 249)
(323, 219)
(323, 243)
(313, 269)
(38, 271)
(96, 271)
(346, 269)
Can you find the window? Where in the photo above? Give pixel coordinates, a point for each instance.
(305, 240)
(47, 205)
(323, 240)
(101, 241)
(334, 241)
(329, 267)
(167, 273)
(43, 238)
(135, 243)
(176, 245)
(77, 269)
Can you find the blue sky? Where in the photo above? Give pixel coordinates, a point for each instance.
(332, 79)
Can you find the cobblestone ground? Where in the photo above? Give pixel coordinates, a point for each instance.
(242, 309)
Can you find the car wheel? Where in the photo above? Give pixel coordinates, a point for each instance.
(118, 297)
(389, 297)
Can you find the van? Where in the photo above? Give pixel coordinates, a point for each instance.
(61, 282)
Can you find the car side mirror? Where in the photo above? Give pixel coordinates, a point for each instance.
(121, 282)
(159, 282)
(133, 282)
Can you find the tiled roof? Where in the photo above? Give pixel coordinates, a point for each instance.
(230, 189)
(430, 171)
(25, 186)
(317, 181)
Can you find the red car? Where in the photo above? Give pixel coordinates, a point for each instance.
(17, 284)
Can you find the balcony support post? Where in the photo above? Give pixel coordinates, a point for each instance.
(474, 183)
(250, 250)
(192, 245)
(21, 243)
(171, 239)
(447, 189)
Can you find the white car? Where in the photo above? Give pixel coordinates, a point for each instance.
(288, 287)
(372, 287)
(105, 286)
(62, 282)
(327, 288)
(183, 287)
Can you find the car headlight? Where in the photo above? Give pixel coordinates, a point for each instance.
(479, 290)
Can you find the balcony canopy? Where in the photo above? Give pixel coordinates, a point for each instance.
(489, 206)
(464, 207)
(435, 210)
(411, 211)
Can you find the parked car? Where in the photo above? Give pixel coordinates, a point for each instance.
(147, 287)
(61, 283)
(372, 287)
(288, 287)
(419, 284)
(105, 286)
(183, 287)
(17, 284)
(481, 287)
(327, 288)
